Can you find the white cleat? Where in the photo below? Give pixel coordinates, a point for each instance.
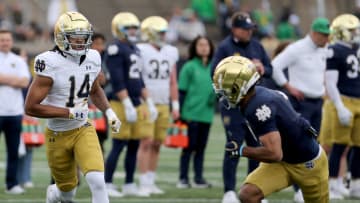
(15, 190)
(298, 197)
(52, 194)
(355, 189)
(230, 197)
(112, 191)
(131, 189)
(156, 190)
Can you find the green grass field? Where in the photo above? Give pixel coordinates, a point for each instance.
(167, 177)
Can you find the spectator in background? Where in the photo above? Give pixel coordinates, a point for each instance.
(190, 27)
(24, 163)
(4, 22)
(226, 9)
(205, 9)
(14, 76)
(195, 87)
(285, 29)
(172, 35)
(98, 43)
(305, 60)
(239, 42)
(264, 19)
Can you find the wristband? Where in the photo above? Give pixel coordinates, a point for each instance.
(175, 105)
(241, 150)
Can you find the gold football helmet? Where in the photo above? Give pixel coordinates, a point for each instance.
(345, 28)
(233, 78)
(75, 26)
(121, 23)
(153, 29)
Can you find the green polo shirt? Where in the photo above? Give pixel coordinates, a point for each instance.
(200, 97)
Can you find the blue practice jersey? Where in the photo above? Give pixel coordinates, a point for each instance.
(270, 111)
(124, 65)
(345, 60)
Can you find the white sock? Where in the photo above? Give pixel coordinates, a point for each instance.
(68, 196)
(340, 180)
(96, 182)
(143, 179)
(151, 176)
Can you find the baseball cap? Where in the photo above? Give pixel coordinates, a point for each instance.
(321, 25)
(242, 20)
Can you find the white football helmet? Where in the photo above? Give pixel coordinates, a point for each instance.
(73, 25)
(121, 23)
(153, 30)
(345, 28)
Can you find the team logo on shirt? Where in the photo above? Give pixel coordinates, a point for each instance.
(263, 113)
(39, 65)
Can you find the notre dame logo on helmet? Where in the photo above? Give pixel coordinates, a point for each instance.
(39, 65)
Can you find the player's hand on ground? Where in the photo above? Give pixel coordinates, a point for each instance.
(345, 115)
(113, 120)
(232, 148)
(152, 109)
(130, 111)
(79, 112)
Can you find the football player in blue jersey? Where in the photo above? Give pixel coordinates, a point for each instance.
(122, 58)
(65, 78)
(239, 43)
(343, 87)
(288, 150)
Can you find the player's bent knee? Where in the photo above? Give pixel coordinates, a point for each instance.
(95, 180)
(250, 193)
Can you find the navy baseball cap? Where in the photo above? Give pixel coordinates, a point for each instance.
(242, 20)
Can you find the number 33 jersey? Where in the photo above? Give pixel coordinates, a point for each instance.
(72, 81)
(158, 65)
(345, 59)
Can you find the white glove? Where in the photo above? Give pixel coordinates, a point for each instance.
(345, 116)
(152, 109)
(79, 112)
(130, 111)
(113, 120)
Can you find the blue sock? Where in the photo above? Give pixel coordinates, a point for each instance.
(334, 159)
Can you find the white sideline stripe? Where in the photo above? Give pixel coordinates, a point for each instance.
(154, 200)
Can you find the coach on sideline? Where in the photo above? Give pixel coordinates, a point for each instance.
(306, 63)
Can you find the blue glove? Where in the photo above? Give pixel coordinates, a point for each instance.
(233, 149)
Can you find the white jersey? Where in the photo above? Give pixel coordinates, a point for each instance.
(72, 82)
(158, 65)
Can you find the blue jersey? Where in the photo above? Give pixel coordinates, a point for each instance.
(124, 65)
(251, 50)
(269, 111)
(345, 60)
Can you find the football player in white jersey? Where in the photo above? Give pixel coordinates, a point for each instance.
(65, 77)
(159, 74)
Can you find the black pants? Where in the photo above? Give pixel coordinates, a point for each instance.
(11, 126)
(198, 133)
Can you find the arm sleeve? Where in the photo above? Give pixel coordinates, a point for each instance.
(184, 77)
(280, 63)
(331, 79)
(263, 119)
(266, 62)
(117, 70)
(219, 55)
(43, 68)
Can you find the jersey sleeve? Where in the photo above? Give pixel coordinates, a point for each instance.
(114, 61)
(43, 67)
(263, 119)
(184, 77)
(332, 61)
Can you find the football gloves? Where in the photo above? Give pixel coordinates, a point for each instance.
(79, 112)
(232, 148)
(113, 120)
(152, 109)
(345, 116)
(130, 111)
